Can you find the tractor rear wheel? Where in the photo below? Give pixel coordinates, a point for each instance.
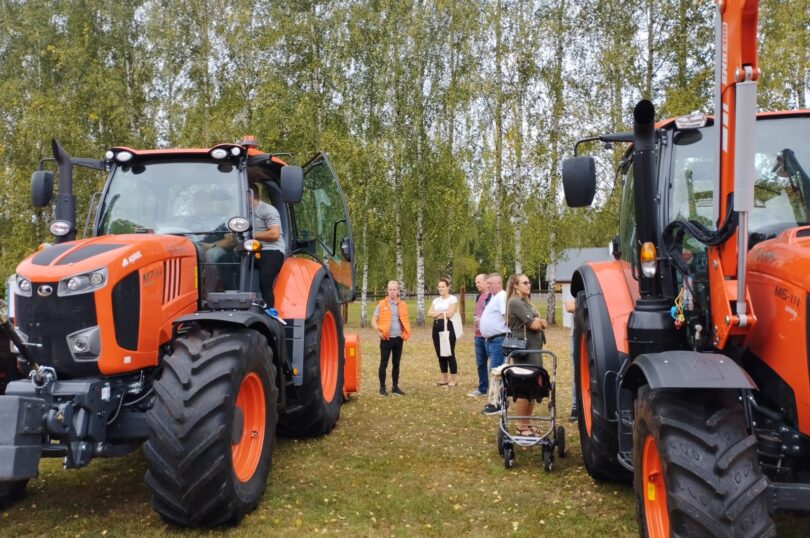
(212, 428)
(696, 467)
(316, 403)
(597, 436)
(11, 492)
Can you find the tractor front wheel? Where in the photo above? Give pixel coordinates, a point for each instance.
(212, 428)
(597, 435)
(316, 403)
(696, 467)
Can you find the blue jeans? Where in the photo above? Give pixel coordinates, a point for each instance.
(573, 373)
(495, 351)
(481, 363)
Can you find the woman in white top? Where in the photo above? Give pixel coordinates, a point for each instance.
(442, 309)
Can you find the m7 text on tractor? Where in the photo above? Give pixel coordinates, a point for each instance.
(149, 331)
(692, 347)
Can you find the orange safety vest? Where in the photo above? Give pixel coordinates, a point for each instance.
(384, 319)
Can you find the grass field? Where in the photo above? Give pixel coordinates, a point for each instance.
(425, 464)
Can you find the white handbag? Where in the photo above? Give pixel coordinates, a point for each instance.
(445, 349)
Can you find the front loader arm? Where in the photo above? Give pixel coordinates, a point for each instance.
(736, 75)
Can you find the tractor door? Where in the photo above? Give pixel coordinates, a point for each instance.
(322, 224)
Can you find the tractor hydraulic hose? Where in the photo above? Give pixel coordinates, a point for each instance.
(672, 237)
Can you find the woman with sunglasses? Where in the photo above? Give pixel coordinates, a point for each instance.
(524, 322)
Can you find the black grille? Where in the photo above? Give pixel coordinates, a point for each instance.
(126, 306)
(48, 320)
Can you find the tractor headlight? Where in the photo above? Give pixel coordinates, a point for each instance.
(23, 286)
(84, 345)
(252, 245)
(238, 224)
(60, 228)
(84, 283)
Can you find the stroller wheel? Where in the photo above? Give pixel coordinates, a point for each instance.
(508, 456)
(548, 459)
(500, 441)
(559, 439)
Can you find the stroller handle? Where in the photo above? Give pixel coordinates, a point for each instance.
(513, 354)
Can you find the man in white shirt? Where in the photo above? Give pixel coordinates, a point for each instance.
(494, 328)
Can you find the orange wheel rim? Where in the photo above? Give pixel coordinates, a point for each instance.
(654, 491)
(585, 383)
(246, 453)
(329, 357)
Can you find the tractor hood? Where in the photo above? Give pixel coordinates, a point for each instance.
(785, 258)
(118, 254)
(779, 286)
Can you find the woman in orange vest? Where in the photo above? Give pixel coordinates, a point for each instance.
(390, 320)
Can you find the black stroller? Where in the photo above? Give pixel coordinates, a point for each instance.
(530, 382)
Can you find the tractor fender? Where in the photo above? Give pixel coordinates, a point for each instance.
(295, 286)
(609, 280)
(270, 327)
(608, 358)
(685, 370)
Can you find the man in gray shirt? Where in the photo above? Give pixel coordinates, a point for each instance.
(267, 229)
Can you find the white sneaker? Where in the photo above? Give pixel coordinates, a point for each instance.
(476, 393)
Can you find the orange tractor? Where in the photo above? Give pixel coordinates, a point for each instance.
(150, 330)
(691, 347)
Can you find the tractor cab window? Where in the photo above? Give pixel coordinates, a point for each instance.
(190, 198)
(781, 190)
(627, 221)
(322, 225)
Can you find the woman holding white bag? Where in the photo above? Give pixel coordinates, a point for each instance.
(444, 335)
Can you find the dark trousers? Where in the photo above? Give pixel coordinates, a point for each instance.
(389, 348)
(269, 266)
(445, 363)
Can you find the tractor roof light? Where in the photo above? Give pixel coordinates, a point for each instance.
(124, 156)
(60, 228)
(219, 153)
(236, 151)
(109, 155)
(647, 257)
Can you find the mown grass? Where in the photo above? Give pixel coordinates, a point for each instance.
(421, 465)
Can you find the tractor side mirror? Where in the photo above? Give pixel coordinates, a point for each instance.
(346, 248)
(579, 181)
(292, 184)
(41, 188)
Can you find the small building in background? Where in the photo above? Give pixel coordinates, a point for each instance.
(564, 268)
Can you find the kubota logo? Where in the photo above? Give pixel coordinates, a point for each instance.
(131, 259)
(44, 291)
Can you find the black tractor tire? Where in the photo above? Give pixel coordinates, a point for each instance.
(11, 492)
(598, 438)
(202, 471)
(698, 444)
(315, 405)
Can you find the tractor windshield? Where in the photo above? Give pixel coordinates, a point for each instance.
(193, 198)
(782, 189)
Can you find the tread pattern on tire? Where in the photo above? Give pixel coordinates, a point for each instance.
(316, 416)
(188, 452)
(599, 450)
(713, 481)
